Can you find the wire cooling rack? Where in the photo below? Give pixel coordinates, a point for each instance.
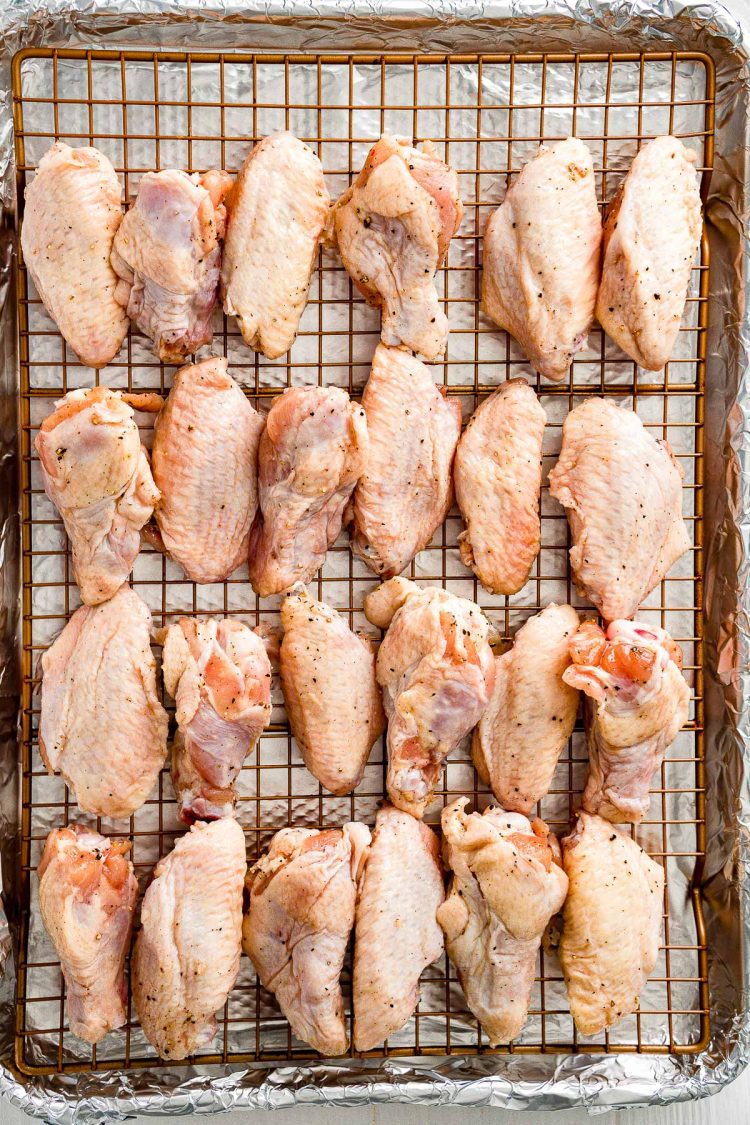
(486, 115)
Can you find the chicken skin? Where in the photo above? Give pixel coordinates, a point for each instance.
(276, 214)
(611, 923)
(507, 884)
(393, 228)
(637, 702)
(531, 712)
(302, 894)
(397, 935)
(541, 257)
(167, 254)
(312, 453)
(218, 673)
(205, 466)
(622, 492)
(330, 691)
(187, 953)
(102, 724)
(97, 474)
(498, 479)
(87, 897)
(437, 670)
(406, 491)
(72, 211)
(651, 234)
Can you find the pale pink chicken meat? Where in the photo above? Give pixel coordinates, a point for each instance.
(277, 211)
(330, 691)
(87, 897)
(622, 492)
(531, 713)
(437, 670)
(187, 953)
(219, 675)
(498, 480)
(71, 214)
(405, 491)
(204, 459)
(651, 235)
(167, 255)
(542, 257)
(393, 228)
(507, 883)
(397, 934)
(97, 474)
(611, 923)
(637, 701)
(102, 725)
(302, 894)
(312, 453)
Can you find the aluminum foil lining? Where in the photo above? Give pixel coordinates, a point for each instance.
(542, 1081)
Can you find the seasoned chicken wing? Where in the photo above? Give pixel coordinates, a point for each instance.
(622, 492)
(167, 254)
(96, 473)
(393, 227)
(219, 675)
(436, 669)
(72, 211)
(312, 453)
(102, 724)
(397, 935)
(187, 953)
(637, 702)
(331, 695)
(276, 214)
(205, 466)
(498, 478)
(652, 232)
(531, 712)
(611, 923)
(301, 911)
(541, 257)
(405, 491)
(87, 896)
(507, 884)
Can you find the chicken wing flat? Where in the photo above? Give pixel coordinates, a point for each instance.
(72, 211)
(219, 675)
(301, 911)
(102, 724)
(531, 712)
(187, 953)
(330, 691)
(437, 670)
(507, 884)
(637, 702)
(397, 934)
(393, 228)
(97, 474)
(498, 479)
(611, 923)
(167, 254)
(87, 897)
(541, 257)
(276, 214)
(652, 232)
(205, 466)
(312, 453)
(622, 492)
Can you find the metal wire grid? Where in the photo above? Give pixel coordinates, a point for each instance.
(487, 114)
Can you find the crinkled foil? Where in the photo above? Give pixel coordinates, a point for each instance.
(514, 1081)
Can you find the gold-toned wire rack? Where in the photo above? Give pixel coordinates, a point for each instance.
(487, 114)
